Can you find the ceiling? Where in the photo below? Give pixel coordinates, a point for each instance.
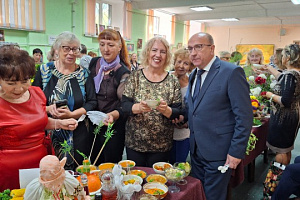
(249, 12)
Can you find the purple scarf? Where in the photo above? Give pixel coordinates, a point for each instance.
(104, 67)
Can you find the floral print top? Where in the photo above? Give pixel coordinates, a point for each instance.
(151, 131)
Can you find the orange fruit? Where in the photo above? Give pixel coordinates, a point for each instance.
(94, 183)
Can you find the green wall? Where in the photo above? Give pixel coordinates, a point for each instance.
(58, 15)
(138, 29)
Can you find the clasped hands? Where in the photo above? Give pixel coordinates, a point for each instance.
(162, 107)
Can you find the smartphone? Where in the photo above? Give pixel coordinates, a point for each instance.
(61, 103)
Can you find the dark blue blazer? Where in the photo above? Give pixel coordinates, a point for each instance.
(221, 120)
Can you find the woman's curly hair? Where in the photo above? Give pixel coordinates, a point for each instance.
(293, 52)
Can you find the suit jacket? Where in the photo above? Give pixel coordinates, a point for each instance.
(221, 120)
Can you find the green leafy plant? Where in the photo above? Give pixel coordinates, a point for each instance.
(256, 122)
(82, 154)
(5, 195)
(108, 134)
(96, 132)
(66, 148)
(251, 143)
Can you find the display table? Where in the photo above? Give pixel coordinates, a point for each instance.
(237, 176)
(193, 190)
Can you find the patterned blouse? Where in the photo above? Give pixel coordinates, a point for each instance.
(151, 131)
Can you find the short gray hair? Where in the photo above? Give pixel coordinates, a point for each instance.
(223, 53)
(65, 36)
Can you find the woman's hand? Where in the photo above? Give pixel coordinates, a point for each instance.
(63, 113)
(59, 113)
(164, 109)
(109, 120)
(143, 107)
(66, 124)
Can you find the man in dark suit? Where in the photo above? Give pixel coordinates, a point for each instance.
(219, 113)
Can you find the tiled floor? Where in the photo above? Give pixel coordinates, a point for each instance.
(253, 191)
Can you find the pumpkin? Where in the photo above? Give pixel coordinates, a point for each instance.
(94, 183)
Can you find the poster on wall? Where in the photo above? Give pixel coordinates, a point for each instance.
(267, 49)
(130, 47)
(139, 43)
(101, 28)
(2, 35)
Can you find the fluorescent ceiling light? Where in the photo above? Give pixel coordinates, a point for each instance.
(201, 8)
(296, 1)
(230, 19)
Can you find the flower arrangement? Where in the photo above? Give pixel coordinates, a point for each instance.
(260, 85)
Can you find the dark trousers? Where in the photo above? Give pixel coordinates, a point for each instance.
(289, 183)
(213, 181)
(180, 151)
(146, 159)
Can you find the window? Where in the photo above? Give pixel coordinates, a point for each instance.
(24, 15)
(103, 14)
(162, 24)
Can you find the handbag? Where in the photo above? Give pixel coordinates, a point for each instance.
(272, 179)
(48, 143)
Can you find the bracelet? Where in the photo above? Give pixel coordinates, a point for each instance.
(55, 125)
(272, 97)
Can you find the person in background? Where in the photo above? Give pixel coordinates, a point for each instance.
(289, 182)
(133, 61)
(52, 55)
(23, 117)
(92, 54)
(219, 115)
(255, 56)
(110, 73)
(149, 131)
(224, 55)
(285, 106)
(37, 55)
(278, 60)
(84, 58)
(181, 142)
(63, 79)
(236, 57)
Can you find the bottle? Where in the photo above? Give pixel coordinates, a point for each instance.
(84, 181)
(109, 190)
(98, 196)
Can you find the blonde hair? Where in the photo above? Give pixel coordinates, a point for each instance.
(147, 49)
(257, 51)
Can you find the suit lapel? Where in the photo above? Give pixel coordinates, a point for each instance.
(214, 70)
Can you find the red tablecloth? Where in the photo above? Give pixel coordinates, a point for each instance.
(193, 190)
(261, 133)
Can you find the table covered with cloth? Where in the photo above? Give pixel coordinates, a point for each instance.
(261, 133)
(193, 190)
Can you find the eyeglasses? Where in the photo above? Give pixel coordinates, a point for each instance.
(67, 49)
(225, 58)
(197, 47)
